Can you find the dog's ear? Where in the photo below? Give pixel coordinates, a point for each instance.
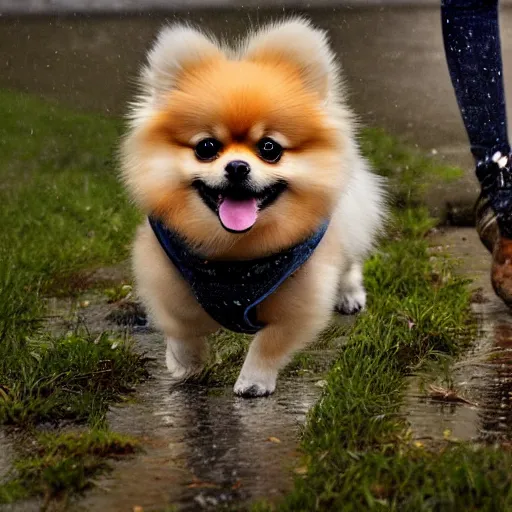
(177, 47)
(296, 42)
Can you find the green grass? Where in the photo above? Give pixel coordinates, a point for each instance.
(56, 465)
(358, 450)
(61, 211)
(410, 479)
(411, 172)
(73, 377)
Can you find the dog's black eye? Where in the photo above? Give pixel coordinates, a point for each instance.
(269, 150)
(207, 149)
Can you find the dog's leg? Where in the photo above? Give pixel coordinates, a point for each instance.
(185, 358)
(351, 295)
(186, 346)
(171, 306)
(294, 316)
(270, 351)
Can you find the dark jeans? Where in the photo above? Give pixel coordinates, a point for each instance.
(473, 53)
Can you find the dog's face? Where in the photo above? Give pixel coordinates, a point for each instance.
(231, 149)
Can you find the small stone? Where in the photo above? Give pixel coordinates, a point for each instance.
(321, 383)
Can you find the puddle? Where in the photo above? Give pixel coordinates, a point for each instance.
(483, 375)
(203, 447)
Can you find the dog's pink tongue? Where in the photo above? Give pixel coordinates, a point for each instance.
(238, 215)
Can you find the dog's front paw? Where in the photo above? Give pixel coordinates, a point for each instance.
(253, 386)
(351, 302)
(182, 361)
(179, 371)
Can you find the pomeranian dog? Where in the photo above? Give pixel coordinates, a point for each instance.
(260, 208)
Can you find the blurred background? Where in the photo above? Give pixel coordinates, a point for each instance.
(86, 53)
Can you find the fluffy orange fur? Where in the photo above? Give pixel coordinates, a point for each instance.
(238, 100)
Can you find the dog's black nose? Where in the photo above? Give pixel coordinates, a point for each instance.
(237, 170)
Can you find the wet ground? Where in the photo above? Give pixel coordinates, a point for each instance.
(392, 56)
(203, 450)
(203, 447)
(481, 409)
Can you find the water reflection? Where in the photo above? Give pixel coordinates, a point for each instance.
(203, 447)
(483, 374)
(496, 413)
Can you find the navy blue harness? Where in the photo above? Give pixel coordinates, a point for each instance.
(229, 291)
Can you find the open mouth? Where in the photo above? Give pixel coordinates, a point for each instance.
(238, 206)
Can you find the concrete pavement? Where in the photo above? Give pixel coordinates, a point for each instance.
(89, 6)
